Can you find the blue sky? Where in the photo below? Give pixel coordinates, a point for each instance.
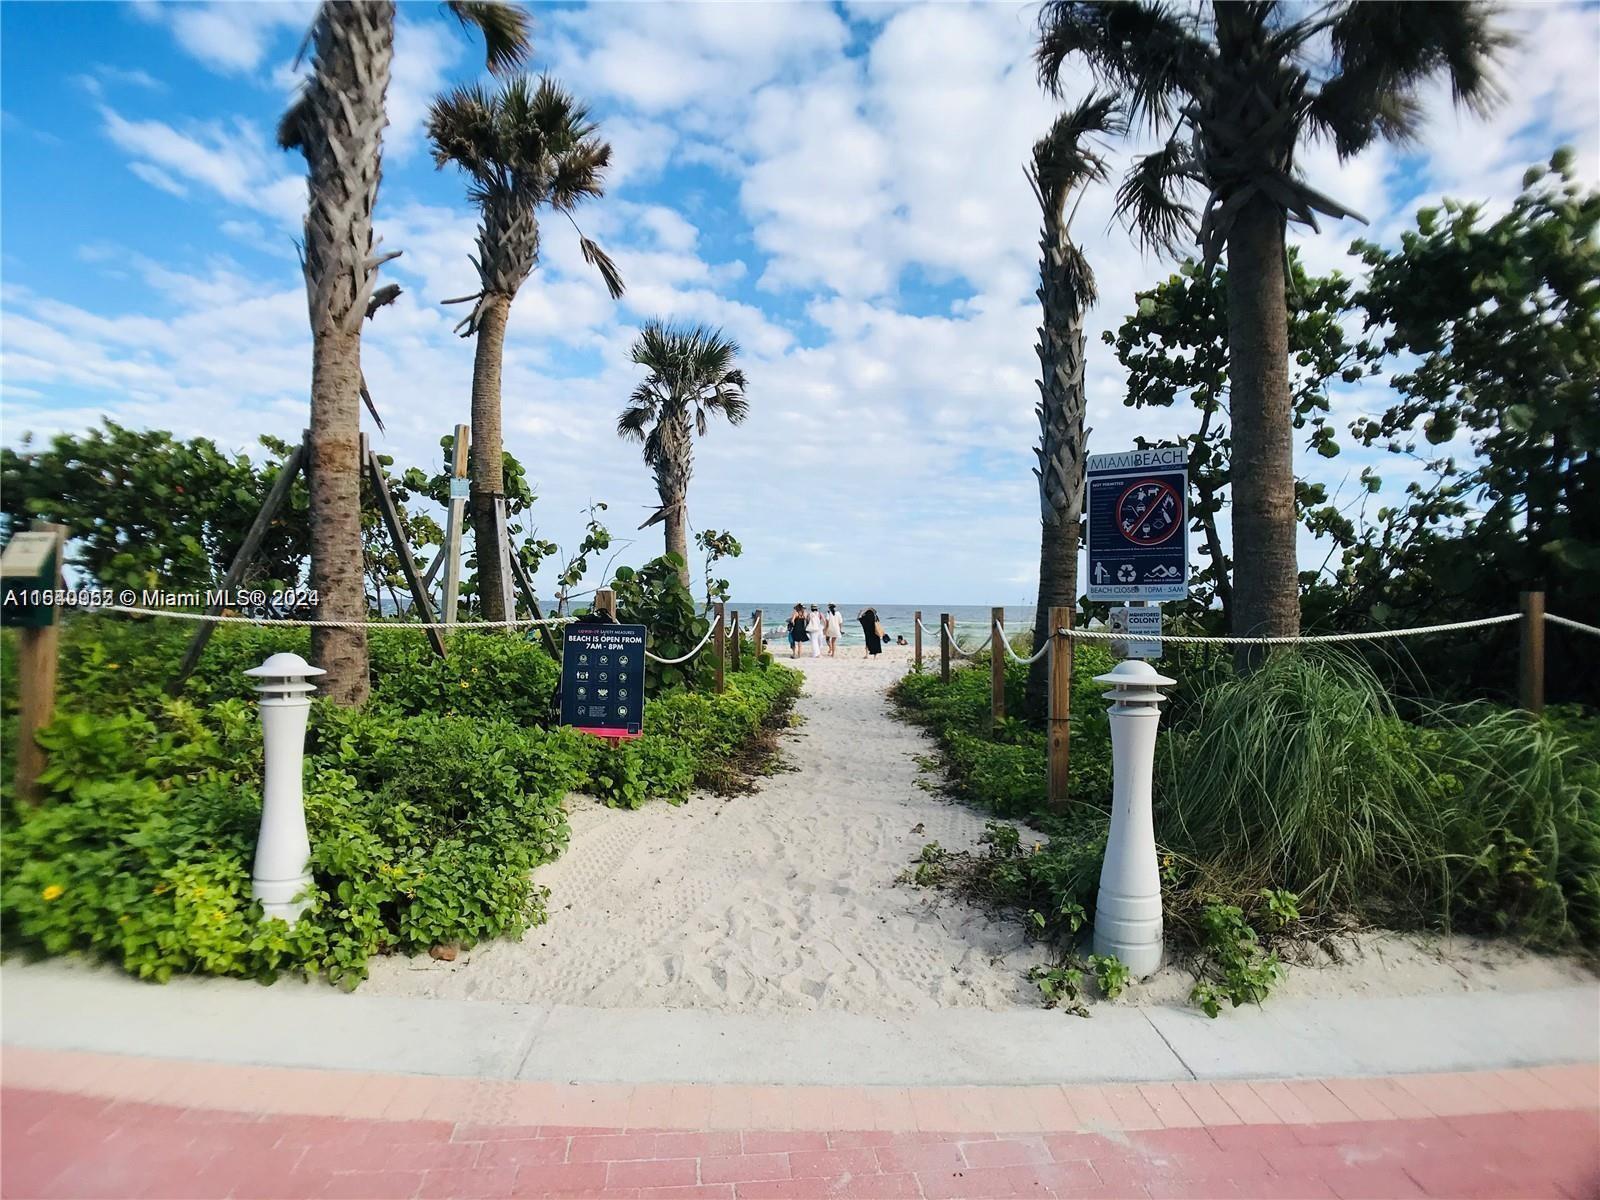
(839, 187)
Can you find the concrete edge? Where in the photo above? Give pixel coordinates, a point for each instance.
(67, 1006)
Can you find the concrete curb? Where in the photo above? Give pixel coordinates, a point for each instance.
(64, 1006)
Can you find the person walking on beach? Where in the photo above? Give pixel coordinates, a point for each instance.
(832, 627)
(814, 631)
(797, 630)
(871, 630)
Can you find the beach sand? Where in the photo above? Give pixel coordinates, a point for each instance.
(788, 899)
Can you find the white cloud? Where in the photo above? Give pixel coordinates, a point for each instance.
(231, 160)
(157, 178)
(231, 37)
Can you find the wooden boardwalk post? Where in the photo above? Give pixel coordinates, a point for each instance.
(944, 647)
(738, 657)
(1060, 659)
(997, 665)
(1532, 682)
(755, 634)
(916, 638)
(453, 524)
(36, 679)
(605, 600)
(721, 638)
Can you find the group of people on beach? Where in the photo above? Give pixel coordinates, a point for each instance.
(820, 630)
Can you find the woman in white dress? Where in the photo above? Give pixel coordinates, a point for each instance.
(832, 627)
(814, 628)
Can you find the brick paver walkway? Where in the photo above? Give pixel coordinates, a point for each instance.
(96, 1125)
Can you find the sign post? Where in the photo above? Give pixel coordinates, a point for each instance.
(602, 679)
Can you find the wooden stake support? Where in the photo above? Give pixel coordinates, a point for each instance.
(455, 520)
(1531, 691)
(944, 647)
(402, 549)
(520, 573)
(37, 651)
(997, 665)
(916, 638)
(276, 495)
(1060, 659)
(721, 638)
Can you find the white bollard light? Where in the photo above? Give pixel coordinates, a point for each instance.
(1127, 919)
(283, 850)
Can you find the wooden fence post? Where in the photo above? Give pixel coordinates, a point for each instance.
(722, 642)
(454, 523)
(755, 634)
(605, 600)
(916, 638)
(997, 665)
(36, 678)
(1532, 682)
(944, 647)
(1060, 706)
(738, 655)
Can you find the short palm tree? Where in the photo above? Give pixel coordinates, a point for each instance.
(1064, 163)
(337, 122)
(691, 378)
(1235, 89)
(525, 146)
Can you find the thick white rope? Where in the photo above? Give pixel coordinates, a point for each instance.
(1097, 635)
(963, 651)
(672, 662)
(999, 632)
(1591, 630)
(295, 623)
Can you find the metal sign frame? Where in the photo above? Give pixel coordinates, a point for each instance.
(1138, 506)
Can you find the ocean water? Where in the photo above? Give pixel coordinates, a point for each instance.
(971, 620)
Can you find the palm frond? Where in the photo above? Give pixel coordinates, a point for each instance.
(1150, 198)
(291, 126)
(1144, 50)
(506, 28)
(1385, 51)
(463, 125)
(1063, 160)
(601, 261)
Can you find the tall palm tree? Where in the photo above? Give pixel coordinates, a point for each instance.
(1064, 164)
(337, 123)
(522, 147)
(692, 378)
(1235, 89)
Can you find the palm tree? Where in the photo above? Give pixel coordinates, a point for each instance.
(692, 377)
(337, 123)
(521, 147)
(1235, 88)
(1063, 165)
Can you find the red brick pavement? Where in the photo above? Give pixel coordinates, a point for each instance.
(102, 1126)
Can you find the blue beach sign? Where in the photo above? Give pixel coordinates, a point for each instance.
(1138, 525)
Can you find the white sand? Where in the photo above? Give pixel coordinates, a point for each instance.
(787, 899)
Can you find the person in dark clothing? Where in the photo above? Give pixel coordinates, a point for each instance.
(798, 634)
(871, 630)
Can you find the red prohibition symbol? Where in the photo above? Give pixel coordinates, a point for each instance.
(1147, 513)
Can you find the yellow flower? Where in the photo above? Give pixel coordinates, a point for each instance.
(465, 684)
(113, 666)
(54, 892)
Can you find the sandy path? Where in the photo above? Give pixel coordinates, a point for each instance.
(781, 900)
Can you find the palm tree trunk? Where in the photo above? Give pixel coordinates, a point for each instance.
(335, 494)
(677, 524)
(1061, 445)
(1266, 586)
(488, 463)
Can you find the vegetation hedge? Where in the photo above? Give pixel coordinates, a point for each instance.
(1301, 777)
(426, 809)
